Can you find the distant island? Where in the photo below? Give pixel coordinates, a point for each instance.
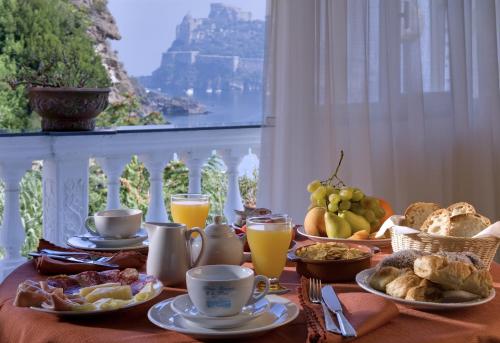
(222, 52)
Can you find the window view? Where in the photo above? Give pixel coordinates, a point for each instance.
(199, 63)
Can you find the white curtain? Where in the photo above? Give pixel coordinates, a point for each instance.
(408, 89)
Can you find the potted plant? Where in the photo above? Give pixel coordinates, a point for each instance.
(56, 63)
(66, 89)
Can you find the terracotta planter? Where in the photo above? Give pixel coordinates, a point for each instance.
(68, 109)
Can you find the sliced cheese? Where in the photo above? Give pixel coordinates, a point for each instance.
(146, 293)
(86, 290)
(113, 292)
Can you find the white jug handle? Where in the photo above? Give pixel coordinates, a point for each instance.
(262, 294)
(201, 232)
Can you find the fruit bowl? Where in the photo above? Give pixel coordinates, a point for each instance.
(384, 242)
(333, 270)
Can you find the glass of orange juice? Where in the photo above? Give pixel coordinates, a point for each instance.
(190, 209)
(269, 239)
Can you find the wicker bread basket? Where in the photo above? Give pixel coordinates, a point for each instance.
(485, 248)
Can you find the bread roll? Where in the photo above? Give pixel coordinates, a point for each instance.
(453, 275)
(438, 223)
(417, 213)
(460, 208)
(383, 276)
(467, 225)
(400, 286)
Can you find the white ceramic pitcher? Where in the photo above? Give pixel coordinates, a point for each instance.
(169, 256)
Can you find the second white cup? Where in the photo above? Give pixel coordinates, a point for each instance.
(223, 290)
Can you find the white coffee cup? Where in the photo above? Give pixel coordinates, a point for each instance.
(223, 290)
(121, 223)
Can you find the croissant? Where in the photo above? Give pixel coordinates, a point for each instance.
(400, 285)
(454, 275)
(383, 276)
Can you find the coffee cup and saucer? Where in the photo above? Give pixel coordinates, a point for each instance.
(111, 230)
(223, 302)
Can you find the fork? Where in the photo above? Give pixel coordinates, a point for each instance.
(314, 292)
(102, 259)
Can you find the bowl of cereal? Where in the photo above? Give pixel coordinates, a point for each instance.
(331, 261)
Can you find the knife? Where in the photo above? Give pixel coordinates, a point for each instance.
(333, 303)
(64, 253)
(74, 259)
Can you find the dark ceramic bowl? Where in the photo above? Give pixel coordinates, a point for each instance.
(68, 109)
(333, 270)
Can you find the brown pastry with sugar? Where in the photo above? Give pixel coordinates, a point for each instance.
(425, 291)
(453, 275)
(400, 285)
(383, 276)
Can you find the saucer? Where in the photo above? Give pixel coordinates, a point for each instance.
(84, 244)
(106, 242)
(281, 312)
(183, 306)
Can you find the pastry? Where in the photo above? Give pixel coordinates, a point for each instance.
(464, 256)
(400, 285)
(458, 296)
(425, 291)
(402, 259)
(417, 213)
(454, 275)
(383, 276)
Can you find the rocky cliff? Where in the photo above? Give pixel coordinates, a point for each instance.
(223, 51)
(103, 27)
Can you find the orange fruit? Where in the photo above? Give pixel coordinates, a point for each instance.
(387, 208)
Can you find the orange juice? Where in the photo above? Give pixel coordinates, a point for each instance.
(192, 213)
(269, 249)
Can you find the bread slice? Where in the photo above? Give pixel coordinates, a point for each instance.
(467, 225)
(460, 208)
(438, 223)
(486, 220)
(417, 213)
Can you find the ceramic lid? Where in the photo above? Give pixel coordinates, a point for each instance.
(218, 229)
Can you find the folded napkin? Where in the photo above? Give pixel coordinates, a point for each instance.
(366, 312)
(49, 266)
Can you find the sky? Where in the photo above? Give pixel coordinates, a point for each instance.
(147, 27)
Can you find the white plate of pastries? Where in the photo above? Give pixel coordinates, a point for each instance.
(426, 281)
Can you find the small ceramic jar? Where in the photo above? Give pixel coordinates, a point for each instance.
(223, 246)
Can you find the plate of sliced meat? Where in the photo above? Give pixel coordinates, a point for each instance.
(88, 292)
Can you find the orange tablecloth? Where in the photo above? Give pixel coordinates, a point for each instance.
(19, 325)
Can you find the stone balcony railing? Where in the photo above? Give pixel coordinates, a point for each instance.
(65, 173)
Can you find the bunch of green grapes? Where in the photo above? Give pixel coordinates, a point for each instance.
(338, 200)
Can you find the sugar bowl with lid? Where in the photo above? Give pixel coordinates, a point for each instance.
(223, 245)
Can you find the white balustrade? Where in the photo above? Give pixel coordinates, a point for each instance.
(232, 158)
(65, 173)
(194, 161)
(156, 163)
(12, 231)
(113, 168)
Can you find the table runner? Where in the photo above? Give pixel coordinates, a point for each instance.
(20, 325)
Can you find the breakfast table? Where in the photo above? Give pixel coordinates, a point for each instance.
(475, 324)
